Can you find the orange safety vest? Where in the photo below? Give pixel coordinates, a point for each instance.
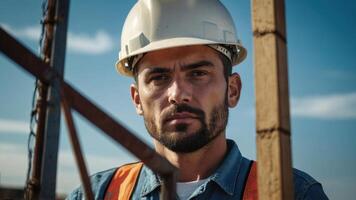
(124, 180)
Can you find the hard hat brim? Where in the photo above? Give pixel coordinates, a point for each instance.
(176, 42)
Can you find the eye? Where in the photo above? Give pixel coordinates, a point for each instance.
(198, 73)
(159, 79)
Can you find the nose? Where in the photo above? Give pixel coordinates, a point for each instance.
(179, 92)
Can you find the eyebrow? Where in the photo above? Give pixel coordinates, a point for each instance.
(197, 65)
(157, 69)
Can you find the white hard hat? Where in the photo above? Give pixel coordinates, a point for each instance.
(158, 24)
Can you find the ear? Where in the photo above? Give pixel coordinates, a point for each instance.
(234, 89)
(135, 97)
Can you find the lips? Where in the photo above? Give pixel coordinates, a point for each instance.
(181, 117)
(181, 114)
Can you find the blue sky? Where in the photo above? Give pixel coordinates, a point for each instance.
(322, 76)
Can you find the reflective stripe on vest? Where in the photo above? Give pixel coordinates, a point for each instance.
(250, 191)
(123, 182)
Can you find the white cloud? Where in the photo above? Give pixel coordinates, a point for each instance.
(29, 32)
(333, 106)
(99, 43)
(14, 126)
(68, 174)
(13, 166)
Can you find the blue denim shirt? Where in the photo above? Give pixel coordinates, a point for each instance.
(227, 182)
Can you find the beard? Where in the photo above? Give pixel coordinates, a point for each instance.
(178, 139)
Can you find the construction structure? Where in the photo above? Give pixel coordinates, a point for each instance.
(273, 123)
(274, 158)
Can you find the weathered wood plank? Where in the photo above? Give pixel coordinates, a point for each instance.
(274, 166)
(272, 100)
(271, 82)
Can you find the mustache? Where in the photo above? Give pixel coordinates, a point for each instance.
(178, 108)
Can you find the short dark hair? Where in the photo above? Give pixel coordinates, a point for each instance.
(135, 74)
(227, 65)
(225, 61)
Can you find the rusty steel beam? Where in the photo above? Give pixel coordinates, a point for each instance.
(116, 131)
(89, 110)
(168, 188)
(22, 56)
(57, 46)
(72, 133)
(275, 180)
(123, 136)
(33, 185)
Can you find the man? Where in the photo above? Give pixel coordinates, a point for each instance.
(180, 54)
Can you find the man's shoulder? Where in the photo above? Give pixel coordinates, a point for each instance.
(103, 176)
(301, 177)
(306, 187)
(99, 182)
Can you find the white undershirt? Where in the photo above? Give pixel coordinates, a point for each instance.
(185, 189)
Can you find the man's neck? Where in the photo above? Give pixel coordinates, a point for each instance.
(199, 164)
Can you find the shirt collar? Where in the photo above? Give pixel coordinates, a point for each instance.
(225, 176)
(227, 173)
(150, 182)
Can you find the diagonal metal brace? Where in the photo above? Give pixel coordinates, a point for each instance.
(72, 132)
(35, 66)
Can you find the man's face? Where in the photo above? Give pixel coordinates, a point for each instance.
(182, 94)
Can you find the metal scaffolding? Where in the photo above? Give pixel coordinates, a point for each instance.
(272, 120)
(43, 179)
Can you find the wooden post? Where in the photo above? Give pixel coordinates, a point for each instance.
(275, 180)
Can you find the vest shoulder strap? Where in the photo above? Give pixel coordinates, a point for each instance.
(125, 178)
(123, 182)
(250, 191)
